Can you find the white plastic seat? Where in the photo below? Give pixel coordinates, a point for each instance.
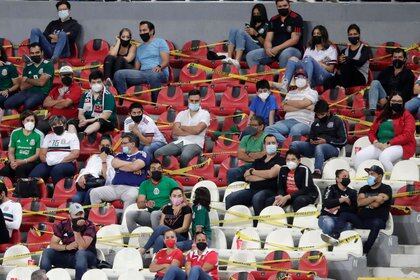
(131, 207)
(125, 259)
(406, 170)
(131, 275)
(353, 247)
(312, 239)
(218, 239)
(211, 186)
(278, 238)
(214, 217)
(242, 257)
(318, 201)
(244, 244)
(359, 144)
(276, 222)
(144, 234)
(361, 173)
(13, 251)
(309, 162)
(236, 216)
(58, 274)
(332, 165)
(310, 222)
(94, 274)
(21, 273)
(109, 237)
(235, 186)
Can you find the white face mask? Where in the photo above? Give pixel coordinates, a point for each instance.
(63, 14)
(264, 95)
(300, 82)
(291, 165)
(29, 126)
(97, 87)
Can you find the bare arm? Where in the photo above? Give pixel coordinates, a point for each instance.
(43, 154)
(105, 115)
(242, 155)
(74, 154)
(63, 103)
(11, 154)
(55, 244)
(195, 129)
(178, 131)
(207, 267)
(82, 241)
(131, 54)
(269, 173)
(268, 40)
(137, 65)
(154, 267)
(141, 202)
(165, 59)
(185, 225)
(114, 49)
(271, 117)
(362, 200)
(417, 88)
(49, 102)
(16, 85)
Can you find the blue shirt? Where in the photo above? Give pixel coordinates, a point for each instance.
(148, 54)
(263, 108)
(131, 178)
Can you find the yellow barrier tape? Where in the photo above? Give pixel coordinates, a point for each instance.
(66, 209)
(406, 194)
(187, 169)
(366, 123)
(20, 256)
(350, 95)
(41, 113)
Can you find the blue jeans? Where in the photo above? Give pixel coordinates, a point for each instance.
(156, 240)
(81, 260)
(321, 152)
(237, 173)
(327, 224)
(82, 197)
(126, 78)
(57, 172)
(414, 106)
(316, 73)
(150, 149)
(259, 56)
(257, 198)
(286, 127)
(51, 50)
(174, 273)
(29, 100)
(241, 40)
(376, 93)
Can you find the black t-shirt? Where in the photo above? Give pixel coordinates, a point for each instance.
(331, 201)
(262, 31)
(260, 164)
(382, 211)
(283, 30)
(173, 221)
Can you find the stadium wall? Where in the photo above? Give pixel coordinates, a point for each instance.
(210, 21)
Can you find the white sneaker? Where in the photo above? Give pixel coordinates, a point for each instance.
(227, 60)
(235, 63)
(330, 240)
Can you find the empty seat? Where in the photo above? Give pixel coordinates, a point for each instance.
(208, 96)
(105, 215)
(225, 148)
(238, 215)
(19, 273)
(355, 106)
(211, 186)
(279, 239)
(311, 239)
(30, 218)
(353, 247)
(222, 71)
(125, 259)
(131, 274)
(109, 237)
(361, 172)
(143, 235)
(39, 237)
(64, 190)
(406, 170)
(234, 98)
(412, 201)
(58, 274)
(314, 261)
(242, 276)
(237, 123)
(335, 95)
(218, 239)
(246, 239)
(95, 50)
(95, 274)
(14, 239)
(332, 165)
(228, 163)
(271, 223)
(189, 74)
(241, 257)
(171, 96)
(235, 186)
(196, 49)
(258, 69)
(14, 251)
(310, 222)
(284, 263)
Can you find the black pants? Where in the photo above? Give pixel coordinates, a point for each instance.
(349, 77)
(105, 126)
(114, 63)
(21, 171)
(4, 233)
(297, 203)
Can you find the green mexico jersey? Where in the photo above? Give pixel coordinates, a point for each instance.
(25, 146)
(7, 73)
(93, 108)
(158, 193)
(34, 72)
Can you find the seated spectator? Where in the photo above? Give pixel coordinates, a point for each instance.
(97, 111)
(24, 145)
(59, 152)
(396, 77)
(151, 65)
(264, 104)
(190, 127)
(414, 104)
(167, 257)
(39, 274)
(97, 172)
(154, 194)
(299, 107)
(283, 39)
(201, 209)
(10, 215)
(121, 55)
(338, 199)
(59, 35)
(391, 135)
(262, 177)
(318, 61)
(73, 244)
(374, 202)
(250, 149)
(175, 216)
(296, 186)
(9, 78)
(327, 136)
(201, 264)
(145, 129)
(36, 82)
(131, 167)
(251, 38)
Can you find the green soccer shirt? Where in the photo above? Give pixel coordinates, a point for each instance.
(34, 72)
(25, 146)
(8, 72)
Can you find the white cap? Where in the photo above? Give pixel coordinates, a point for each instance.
(66, 70)
(74, 209)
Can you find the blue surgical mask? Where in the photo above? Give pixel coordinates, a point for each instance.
(371, 180)
(126, 150)
(271, 149)
(194, 106)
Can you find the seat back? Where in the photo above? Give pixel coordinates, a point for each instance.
(195, 48)
(19, 273)
(312, 239)
(241, 240)
(353, 247)
(361, 172)
(360, 143)
(131, 207)
(226, 69)
(241, 257)
(65, 188)
(103, 215)
(39, 236)
(95, 50)
(271, 221)
(211, 186)
(143, 235)
(14, 239)
(280, 239)
(405, 170)
(214, 217)
(111, 233)
(94, 274)
(310, 222)
(314, 261)
(242, 276)
(208, 96)
(235, 186)
(14, 251)
(58, 274)
(281, 256)
(238, 216)
(332, 165)
(131, 274)
(126, 259)
(409, 200)
(218, 239)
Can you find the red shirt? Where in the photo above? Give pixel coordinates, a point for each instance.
(291, 184)
(162, 257)
(73, 92)
(208, 256)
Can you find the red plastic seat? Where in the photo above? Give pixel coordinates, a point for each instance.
(22, 50)
(288, 141)
(95, 50)
(171, 96)
(118, 204)
(228, 163)
(103, 215)
(43, 193)
(234, 98)
(29, 221)
(225, 148)
(249, 86)
(189, 74)
(166, 120)
(84, 74)
(335, 95)
(220, 85)
(87, 149)
(355, 106)
(204, 173)
(284, 263)
(39, 240)
(64, 190)
(413, 60)
(196, 49)
(7, 46)
(14, 239)
(62, 215)
(208, 97)
(317, 265)
(242, 276)
(383, 56)
(281, 276)
(169, 163)
(8, 183)
(412, 201)
(134, 92)
(238, 122)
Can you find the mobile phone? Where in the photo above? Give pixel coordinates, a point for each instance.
(247, 25)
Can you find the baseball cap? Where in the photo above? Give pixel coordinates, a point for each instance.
(74, 209)
(300, 72)
(66, 70)
(376, 169)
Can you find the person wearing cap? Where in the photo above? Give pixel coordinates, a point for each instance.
(299, 107)
(73, 244)
(10, 215)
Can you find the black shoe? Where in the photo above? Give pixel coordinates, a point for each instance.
(317, 175)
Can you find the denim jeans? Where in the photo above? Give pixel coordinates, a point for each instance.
(259, 56)
(376, 93)
(286, 127)
(82, 197)
(414, 106)
(241, 40)
(81, 260)
(151, 149)
(51, 50)
(328, 223)
(57, 172)
(29, 100)
(316, 73)
(321, 152)
(126, 78)
(156, 240)
(186, 152)
(175, 273)
(237, 173)
(248, 197)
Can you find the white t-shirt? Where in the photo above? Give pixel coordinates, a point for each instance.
(328, 56)
(12, 213)
(94, 168)
(147, 127)
(59, 146)
(184, 117)
(303, 116)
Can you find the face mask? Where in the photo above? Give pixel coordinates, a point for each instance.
(300, 82)
(106, 150)
(397, 108)
(264, 95)
(283, 12)
(258, 18)
(170, 243)
(371, 180)
(176, 201)
(354, 40)
(156, 175)
(323, 119)
(291, 165)
(317, 40)
(201, 246)
(63, 14)
(96, 87)
(194, 106)
(66, 80)
(58, 129)
(398, 63)
(145, 37)
(126, 150)
(29, 126)
(137, 119)
(271, 149)
(125, 43)
(345, 181)
(252, 130)
(36, 59)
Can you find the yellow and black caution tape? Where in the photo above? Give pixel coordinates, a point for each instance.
(406, 194)
(40, 113)
(29, 213)
(187, 169)
(21, 256)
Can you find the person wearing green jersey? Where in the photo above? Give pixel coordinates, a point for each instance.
(9, 78)
(24, 146)
(36, 81)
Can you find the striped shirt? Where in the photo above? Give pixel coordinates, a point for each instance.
(59, 146)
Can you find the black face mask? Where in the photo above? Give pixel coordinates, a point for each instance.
(137, 119)
(58, 129)
(36, 58)
(125, 43)
(345, 181)
(354, 40)
(323, 119)
(398, 63)
(106, 150)
(317, 40)
(257, 18)
(252, 130)
(397, 108)
(75, 226)
(156, 175)
(201, 246)
(283, 12)
(145, 37)
(67, 80)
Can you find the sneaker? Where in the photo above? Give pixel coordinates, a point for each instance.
(284, 86)
(329, 239)
(27, 59)
(317, 174)
(227, 60)
(235, 63)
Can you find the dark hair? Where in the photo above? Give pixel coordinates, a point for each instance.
(132, 138)
(3, 188)
(168, 230)
(321, 106)
(263, 12)
(57, 119)
(353, 27)
(400, 50)
(258, 119)
(288, 1)
(97, 74)
(125, 29)
(202, 197)
(34, 45)
(156, 161)
(262, 84)
(175, 189)
(388, 113)
(324, 37)
(339, 171)
(194, 92)
(150, 25)
(136, 105)
(3, 54)
(199, 232)
(293, 152)
(63, 2)
(26, 114)
(269, 135)
(106, 137)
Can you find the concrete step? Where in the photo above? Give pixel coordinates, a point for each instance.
(395, 272)
(410, 249)
(405, 260)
